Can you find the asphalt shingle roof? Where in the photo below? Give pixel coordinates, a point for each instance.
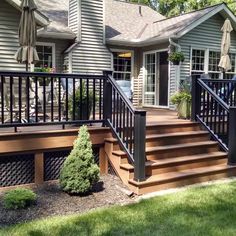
(57, 12)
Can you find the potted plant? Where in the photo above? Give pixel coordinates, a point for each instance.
(176, 57)
(82, 106)
(182, 100)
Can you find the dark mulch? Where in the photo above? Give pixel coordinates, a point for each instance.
(53, 202)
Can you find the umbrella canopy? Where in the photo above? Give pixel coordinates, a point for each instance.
(225, 63)
(27, 34)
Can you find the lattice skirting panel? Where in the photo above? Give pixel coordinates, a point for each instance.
(53, 162)
(16, 170)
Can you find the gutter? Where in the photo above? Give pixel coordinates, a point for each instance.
(175, 45)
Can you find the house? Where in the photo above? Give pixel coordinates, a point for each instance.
(149, 150)
(90, 36)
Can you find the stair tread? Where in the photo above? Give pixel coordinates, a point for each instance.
(187, 158)
(155, 179)
(172, 123)
(178, 160)
(111, 140)
(175, 146)
(118, 153)
(187, 133)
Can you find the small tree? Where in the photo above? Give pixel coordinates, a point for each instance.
(79, 172)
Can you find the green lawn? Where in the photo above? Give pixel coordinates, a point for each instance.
(196, 211)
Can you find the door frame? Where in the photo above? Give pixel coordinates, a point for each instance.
(144, 75)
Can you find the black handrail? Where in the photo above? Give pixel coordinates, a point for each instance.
(35, 98)
(128, 125)
(212, 106)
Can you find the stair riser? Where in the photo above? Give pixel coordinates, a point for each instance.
(184, 181)
(179, 167)
(176, 140)
(161, 154)
(174, 129)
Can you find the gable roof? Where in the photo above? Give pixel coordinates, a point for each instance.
(175, 27)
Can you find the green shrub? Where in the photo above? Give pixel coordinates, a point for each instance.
(176, 57)
(82, 102)
(19, 198)
(79, 172)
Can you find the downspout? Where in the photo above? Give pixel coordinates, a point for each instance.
(177, 68)
(175, 45)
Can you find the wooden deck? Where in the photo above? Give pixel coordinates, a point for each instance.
(154, 116)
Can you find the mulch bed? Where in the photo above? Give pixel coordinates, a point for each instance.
(53, 202)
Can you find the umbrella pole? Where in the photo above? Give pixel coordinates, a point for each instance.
(27, 66)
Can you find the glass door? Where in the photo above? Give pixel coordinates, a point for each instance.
(150, 79)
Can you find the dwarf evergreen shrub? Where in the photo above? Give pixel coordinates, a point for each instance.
(19, 198)
(79, 172)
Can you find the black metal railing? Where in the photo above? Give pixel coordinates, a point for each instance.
(127, 123)
(38, 99)
(30, 99)
(213, 104)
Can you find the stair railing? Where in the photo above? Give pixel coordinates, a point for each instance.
(127, 123)
(213, 105)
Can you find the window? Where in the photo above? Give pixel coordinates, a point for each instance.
(213, 68)
(198, 60)
(46, 56)
(207, 61)
(122, 63)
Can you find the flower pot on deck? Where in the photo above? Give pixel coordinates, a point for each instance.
(184, 109)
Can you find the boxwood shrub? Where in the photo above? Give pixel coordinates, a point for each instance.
(19, 198)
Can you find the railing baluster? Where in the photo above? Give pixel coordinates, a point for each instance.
(28, 99)
(44, 99)
(81, 98)
(74, 99)
(11, 99)
(67, 99)
(94, 98)
(19, 97)
(52, 99)
(59, 99)
(2, 97)
(36, 100)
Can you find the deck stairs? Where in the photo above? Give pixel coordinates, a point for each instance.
(177, 154)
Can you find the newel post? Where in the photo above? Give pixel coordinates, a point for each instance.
(232, 136)
(107, 96)
(139, 145)
(195, 98)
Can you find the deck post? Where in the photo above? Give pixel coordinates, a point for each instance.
(139, 145)
(195, 97)
(107, 97)
(232, 136)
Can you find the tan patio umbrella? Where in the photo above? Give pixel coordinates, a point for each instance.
(27, 34)
(225, 64)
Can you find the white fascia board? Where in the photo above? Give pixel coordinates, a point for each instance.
(218, 9)
(56, 35)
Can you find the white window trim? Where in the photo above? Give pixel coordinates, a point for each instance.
(132, 63)
(53, 45)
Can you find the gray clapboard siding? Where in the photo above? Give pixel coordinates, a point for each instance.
(9, 22)
(90, 55)
(206, 35)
